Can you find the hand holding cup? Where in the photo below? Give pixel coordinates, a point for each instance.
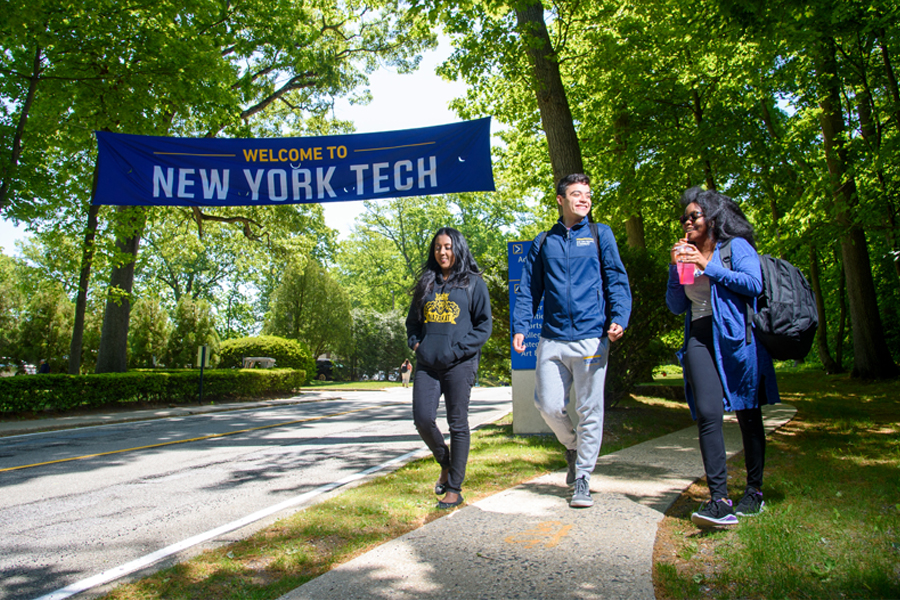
(685, 269)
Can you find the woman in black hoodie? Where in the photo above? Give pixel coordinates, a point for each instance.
(449, 321)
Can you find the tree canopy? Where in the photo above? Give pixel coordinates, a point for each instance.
(793, 109)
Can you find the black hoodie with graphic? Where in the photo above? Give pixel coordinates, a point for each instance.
(453, 325)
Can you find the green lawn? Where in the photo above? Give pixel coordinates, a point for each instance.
(832, 489)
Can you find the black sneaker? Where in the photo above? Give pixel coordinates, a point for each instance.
(582, 496)
(751, 504)
(571, 457)
(714, 513)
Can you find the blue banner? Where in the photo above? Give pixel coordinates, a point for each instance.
(516, 254)
(138, 170)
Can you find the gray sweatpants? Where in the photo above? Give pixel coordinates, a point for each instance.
(560, 365)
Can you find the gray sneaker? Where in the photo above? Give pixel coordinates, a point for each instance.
(582, 496)
(571, 457)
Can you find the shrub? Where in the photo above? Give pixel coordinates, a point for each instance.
(66, 392)
(288, 354)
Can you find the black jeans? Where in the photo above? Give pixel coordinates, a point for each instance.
(701, 373)
(455, 384)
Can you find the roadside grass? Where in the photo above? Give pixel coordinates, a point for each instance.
(832, 490)
(294, 550)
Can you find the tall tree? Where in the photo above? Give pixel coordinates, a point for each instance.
(827, 36)
(44, 327)
(149, 333)
(193, 325)
(311, 307)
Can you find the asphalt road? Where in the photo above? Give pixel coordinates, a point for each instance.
(82, 505)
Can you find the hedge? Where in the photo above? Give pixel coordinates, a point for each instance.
(65, 392)
(288, 354)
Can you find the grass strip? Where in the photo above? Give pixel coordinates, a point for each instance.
(315, 385)
(294, 550)
(831, 528)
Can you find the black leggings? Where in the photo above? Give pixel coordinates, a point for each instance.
(455, 384)
(701, 374)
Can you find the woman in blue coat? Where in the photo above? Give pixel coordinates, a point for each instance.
(724, 368)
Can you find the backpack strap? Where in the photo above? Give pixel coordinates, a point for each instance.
(539, 240)
(725, 256)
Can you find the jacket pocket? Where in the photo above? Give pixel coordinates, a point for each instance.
(732, 324)
(435, 350)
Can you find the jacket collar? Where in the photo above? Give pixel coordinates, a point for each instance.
(575, 227)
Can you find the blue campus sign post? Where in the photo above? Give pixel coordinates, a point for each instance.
(526, 418)
(516, 254)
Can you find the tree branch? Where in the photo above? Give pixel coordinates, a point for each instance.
(199, 217)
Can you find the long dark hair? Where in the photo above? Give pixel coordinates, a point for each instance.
(724, 218)
(464, 267)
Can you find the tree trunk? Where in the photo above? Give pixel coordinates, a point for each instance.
(871, 133)
(890, 76)
(556, 116)
(10, 170)
(87, 262)
(634, 224)
(842, 318)
(698, 120)
(113, 353)
(891, 225)
(822, 333)
(872, 357)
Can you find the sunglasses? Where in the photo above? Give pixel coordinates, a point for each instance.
(691, 217)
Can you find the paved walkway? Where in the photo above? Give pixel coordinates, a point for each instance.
(526, 542)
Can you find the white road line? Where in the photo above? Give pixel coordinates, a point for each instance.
(145, 561)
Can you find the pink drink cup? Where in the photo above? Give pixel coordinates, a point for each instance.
(685, 273)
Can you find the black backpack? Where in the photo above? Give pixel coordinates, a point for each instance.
(786, 318)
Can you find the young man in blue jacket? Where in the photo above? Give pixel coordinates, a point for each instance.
(587, 304)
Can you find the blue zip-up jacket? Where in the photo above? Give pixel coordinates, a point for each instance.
(583, 293)
(741, 365)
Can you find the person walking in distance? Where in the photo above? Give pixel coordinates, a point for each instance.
(405, 372)
(449, 321)
(725, 368)
(577, 270)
